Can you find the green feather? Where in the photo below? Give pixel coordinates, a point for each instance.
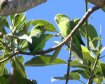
(65, 26)
(38, 38)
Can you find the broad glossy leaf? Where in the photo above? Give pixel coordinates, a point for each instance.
(103, 49)
(20, 58)
(72, 76)
(92, 34)
(98, 80)
(2, 67)
(76, 64)
(48, 36)
(87, 55)
(24, 45)
(44, 60)
(25, 28)
(18, 69)
(84, 73)
(3, 23)
(4, 79)
(103, 68)
(19, 18)
(55, 54)
(49, 27)
(26, 37)
(10, 79)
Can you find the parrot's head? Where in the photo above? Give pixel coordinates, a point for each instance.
(61, 17)
(40, 27)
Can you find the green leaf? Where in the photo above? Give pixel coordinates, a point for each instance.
(44, 60)
(20, 58)
(103, 68)
(48, 36)
(84, 73)
(49, 27)
(10, 79)
(4, 79)
(26, 37)
(72, 76)
(24, 29)
(87, 55)
(18, 69)
(2, 67)
(55, 54)
(27, 81)
(24, 45)
(99, 80)
(102, 49)
(76, 64)
(3, 23)
(17, 21)
(103, 9)
(92, 34)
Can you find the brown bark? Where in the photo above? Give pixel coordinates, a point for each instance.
(8, 7)
(100, 3)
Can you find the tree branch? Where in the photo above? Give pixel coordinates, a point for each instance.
(75, 29)
(8, 7)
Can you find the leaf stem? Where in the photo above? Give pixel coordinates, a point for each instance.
(75, 29)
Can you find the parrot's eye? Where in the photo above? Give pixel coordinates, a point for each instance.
(57, 21)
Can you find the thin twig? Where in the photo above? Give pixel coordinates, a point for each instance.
(9, 57)
(69, 61)
(75, 29)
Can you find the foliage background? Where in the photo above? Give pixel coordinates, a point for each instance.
(47, 11)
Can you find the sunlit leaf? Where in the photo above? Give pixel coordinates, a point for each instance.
(76, 64)
(44, 60)
(87, 55)
(48, 36)
(20, 58)
(48, 25)
(55, 54)
(26, 37)
(83, 73)
(72, 76)
(98, 80)
(18, 69)
(2, 67)
(92, 34)
(103, 68)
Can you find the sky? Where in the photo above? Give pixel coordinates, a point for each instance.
(47, 11)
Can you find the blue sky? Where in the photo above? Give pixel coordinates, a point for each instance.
(47, 11)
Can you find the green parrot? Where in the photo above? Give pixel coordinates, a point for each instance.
(38, 38)
(65, 26)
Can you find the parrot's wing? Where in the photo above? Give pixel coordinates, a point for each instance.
(38, 43)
